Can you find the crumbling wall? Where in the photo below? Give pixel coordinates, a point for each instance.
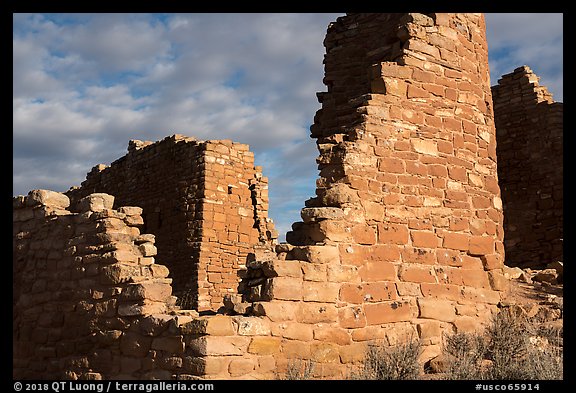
(404, 237)
(529, 130)
(204, 201)
(80, 281)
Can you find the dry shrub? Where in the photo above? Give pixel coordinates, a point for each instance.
(400, 362)
(511, 348)
(299, 369)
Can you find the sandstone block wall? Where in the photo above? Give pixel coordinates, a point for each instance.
(403, 239)
(529, 131)
(80, 279)
(408, 191)
(206, 203)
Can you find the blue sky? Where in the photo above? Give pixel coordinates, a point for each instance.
(85, 84)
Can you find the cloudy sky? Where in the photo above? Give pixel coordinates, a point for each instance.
(85, 84)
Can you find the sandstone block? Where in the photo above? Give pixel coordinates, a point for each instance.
(377, 271)
(147, 249)
(340, 194)
(153, 325)
(379, 313)
(131, 210)
(320, 292)
(466, 324)
(491, 261)
(118, 273)
(324, 352)
(47, 198)
(170, 344)
(296, 349)
(424, 146)
(342, 273)
(481, 245)
(238, 367)
(296, 331)
(287, 268)
(219, 345)
(475, 278)
(276, 310)
(287, 288)
(456, 241)
(315, 272)
(218, 325)
(209, 365)
(133, 344)
(310, 214)
(252, 326)
(417, 274)
(480, 295)
(95, 202)
(312, 312)
(426, 239)
(363, 234)
(133, 309)
(441, 291)
(392, 234)
(428, 330)
(159, 271)
(334, 335)
(316, 254)
(264, 345)
(497, 281)
(440, 310)
(155, 291)
(351, 317)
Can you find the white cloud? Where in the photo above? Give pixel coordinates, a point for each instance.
(534, 39)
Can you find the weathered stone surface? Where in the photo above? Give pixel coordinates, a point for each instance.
(310, 214)
(132, 344)
(95, 202)
(47, 198)
(404, 236)
(440, 310)
(525, 114)
(264, 345)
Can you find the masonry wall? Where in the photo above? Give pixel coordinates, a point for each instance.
(80, 280)
(408, 188)
(529, 131)
(404, 237)
(204, 200)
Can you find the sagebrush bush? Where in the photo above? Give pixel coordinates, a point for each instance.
(391, 363)
(299, 369)
(506, 351)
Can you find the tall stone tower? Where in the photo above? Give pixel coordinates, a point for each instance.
(408, 192)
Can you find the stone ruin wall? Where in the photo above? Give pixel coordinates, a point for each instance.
(404, 237)
(403, 240)
(529, 129)
(206, 203)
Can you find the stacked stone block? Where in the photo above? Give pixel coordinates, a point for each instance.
(205, 202)
(529, 130)
(407, 202)
(80, 281)
(402, 241)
